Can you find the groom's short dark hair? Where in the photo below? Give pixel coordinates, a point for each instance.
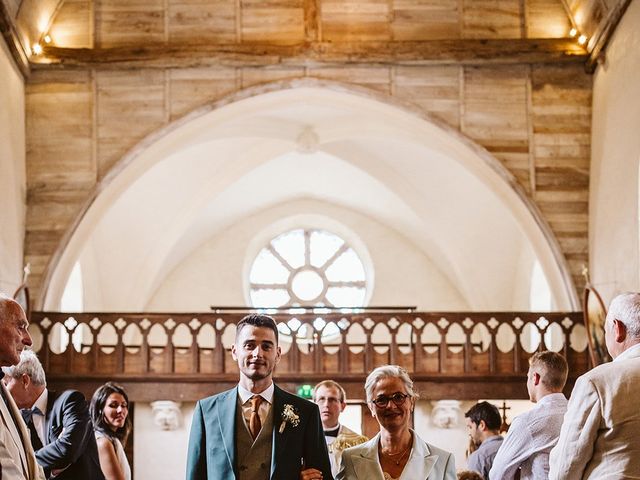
(258, 320)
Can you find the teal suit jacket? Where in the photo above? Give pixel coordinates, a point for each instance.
(212, 455)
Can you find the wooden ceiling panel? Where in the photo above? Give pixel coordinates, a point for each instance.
(129, 22)
(12, 7)
(425, 19)
(73, 25)
(156, 32)
(213, 21)
(546, 19)
(492, 19)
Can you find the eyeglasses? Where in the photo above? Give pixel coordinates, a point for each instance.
(397, 398)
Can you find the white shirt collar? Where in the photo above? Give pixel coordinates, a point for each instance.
(245, 394)
(551, 398)
(628, 353)
(41, 401)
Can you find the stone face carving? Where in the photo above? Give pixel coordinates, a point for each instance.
(167, 414)
(446, 413)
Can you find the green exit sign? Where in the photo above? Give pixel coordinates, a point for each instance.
(305, 391)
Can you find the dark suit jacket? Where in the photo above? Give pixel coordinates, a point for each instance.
(212, 455)
(70, 438)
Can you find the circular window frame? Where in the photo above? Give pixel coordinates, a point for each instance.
(308, 222)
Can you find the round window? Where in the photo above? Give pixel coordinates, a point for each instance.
(306, 267)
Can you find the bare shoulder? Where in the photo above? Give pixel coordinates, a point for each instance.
(104, 445)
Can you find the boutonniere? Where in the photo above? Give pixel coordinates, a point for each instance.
(289, 415)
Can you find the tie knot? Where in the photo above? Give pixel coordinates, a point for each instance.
(256, 400)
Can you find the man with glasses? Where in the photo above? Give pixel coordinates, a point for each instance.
(331, 400)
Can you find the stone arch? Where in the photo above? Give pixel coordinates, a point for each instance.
(476, 159)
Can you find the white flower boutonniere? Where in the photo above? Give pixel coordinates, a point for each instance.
(289, 415)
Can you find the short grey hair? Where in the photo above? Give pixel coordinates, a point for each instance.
(30, 365)
(626, 308)
(386, 371)
(4, 301)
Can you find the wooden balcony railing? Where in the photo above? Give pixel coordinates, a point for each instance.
(454, 355)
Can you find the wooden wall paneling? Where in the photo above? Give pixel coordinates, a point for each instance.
(255, 76)
(60, 166)
(204, 21)
(547, 19)
(49, 214)
(194, 87)
(376, 78)
(425, 19)
(561, 101)
(129, 108)
(72, 25)
(435, 89)
(275, 21)
(59, 130)
(495, 115)
(129, 22)
(491, 19)
(349, 20)
(312, 26)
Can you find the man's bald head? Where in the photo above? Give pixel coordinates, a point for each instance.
(14, 336)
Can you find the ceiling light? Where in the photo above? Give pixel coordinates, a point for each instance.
(582, 39)
(37, 49)
(573, 32)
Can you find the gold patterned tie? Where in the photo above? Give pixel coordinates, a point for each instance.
(254, 421)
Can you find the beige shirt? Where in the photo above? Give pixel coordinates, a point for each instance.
(245, 402)
(599, 436)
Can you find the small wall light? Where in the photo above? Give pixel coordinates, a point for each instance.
(573, 32)
(582, 39)
(47, 39)
(37, 49)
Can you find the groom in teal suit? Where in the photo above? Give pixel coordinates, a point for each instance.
(257, 431)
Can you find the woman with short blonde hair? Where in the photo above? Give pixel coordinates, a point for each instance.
(396, 452)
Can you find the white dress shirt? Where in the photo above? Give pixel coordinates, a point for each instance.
(39, 420)
(245, 401)
(630, 352)
(531, 437)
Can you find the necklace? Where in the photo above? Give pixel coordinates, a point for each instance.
(392, 455)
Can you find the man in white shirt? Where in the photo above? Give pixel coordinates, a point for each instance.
(332, 400)
(599, 437)
(533, 434)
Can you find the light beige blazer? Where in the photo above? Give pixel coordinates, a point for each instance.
(600, 435)
(16, 453)
(426, 462)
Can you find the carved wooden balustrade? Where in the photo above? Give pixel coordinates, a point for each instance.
(187, 356)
